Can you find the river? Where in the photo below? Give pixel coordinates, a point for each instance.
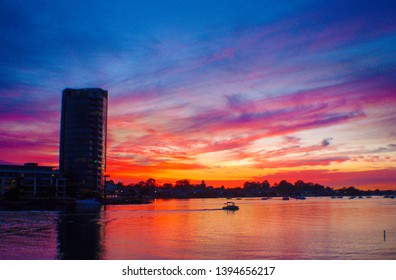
(315, 228)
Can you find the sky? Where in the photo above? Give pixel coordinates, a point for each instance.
(221, 91)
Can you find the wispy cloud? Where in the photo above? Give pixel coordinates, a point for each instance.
(301, 84)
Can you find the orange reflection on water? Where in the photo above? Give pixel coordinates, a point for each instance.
(317, 228)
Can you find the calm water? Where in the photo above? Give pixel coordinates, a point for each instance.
(316, 228)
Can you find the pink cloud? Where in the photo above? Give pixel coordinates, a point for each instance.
(223, 54)
(303, 162)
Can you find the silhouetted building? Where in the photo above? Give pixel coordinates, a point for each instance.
(31, 179)
(83, 138)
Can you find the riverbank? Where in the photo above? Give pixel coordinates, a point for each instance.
(31, 203)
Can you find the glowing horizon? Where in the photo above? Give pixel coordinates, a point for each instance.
(224, 92)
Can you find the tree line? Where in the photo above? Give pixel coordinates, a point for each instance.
(185, 189)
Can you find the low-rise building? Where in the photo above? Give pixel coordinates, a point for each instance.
(31, 179)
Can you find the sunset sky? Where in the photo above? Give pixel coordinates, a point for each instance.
(221, 91)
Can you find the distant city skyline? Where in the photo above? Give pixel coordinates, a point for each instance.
(224, 91)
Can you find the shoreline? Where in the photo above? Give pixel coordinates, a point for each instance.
(54, 202)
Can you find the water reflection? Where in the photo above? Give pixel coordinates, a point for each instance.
(80, 233)
(316, 228)
(27, 235)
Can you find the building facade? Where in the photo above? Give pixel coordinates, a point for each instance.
(83, 138)
(31, 179)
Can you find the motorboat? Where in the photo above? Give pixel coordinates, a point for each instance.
(229, 205)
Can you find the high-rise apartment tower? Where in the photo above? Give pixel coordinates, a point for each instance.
(82, 156)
